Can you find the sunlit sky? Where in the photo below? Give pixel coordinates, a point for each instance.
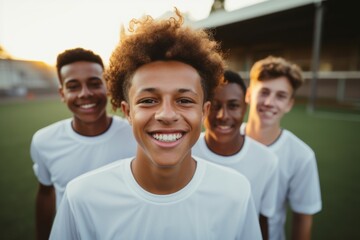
(41, 29)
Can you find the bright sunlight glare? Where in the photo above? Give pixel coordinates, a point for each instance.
(41, 29)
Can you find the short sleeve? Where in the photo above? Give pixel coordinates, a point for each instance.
(41, 171)
(304, 194)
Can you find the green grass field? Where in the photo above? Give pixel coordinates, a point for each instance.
(334, 137)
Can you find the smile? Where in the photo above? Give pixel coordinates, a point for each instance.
(87, 106)
(167, 137)
(223, 127)
(267, 113)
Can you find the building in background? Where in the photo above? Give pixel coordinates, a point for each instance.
(20, 78)
(322, 36)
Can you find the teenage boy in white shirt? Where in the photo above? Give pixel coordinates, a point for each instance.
(223, 144)
(162, 75)
(88, 140)
(273, 82)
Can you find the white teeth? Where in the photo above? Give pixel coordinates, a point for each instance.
(268, 113)
(224, 127)
(167, 137)
(86, 106)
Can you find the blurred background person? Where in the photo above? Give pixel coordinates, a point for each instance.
(222, 143)
(88, 140)
(273, 82)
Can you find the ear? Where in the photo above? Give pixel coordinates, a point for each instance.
(206, 110)
(61, 92)
(290, 105)
(248, 95)
(125, 107)
(244, 109)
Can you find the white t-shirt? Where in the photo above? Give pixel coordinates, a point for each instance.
(257, 163)
(108, 203)
(60, 154)
(299, 184)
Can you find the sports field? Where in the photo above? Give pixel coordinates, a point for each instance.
(335, 137)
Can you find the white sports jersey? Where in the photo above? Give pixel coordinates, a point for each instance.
(108, 203)
(298, 181)
(60, 154)
(257, 163)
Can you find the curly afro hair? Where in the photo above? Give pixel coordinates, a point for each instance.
(152, 40)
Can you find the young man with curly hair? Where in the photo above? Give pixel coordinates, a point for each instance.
(273, 82)
(222, 143)
(88, 140)
(162, 75)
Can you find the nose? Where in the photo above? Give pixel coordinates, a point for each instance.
(222, 113)
(85, 92)
(166, 113)
(269, 100)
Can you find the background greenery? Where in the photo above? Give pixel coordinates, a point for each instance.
(335, 137)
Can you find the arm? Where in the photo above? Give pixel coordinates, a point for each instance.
(301, 226)
(45, 211)
(264, 227)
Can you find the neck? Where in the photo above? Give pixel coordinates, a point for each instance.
(162, 180)
(263, 134)
(93, 128)
(225, 148)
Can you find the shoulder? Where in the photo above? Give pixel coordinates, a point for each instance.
(219, 176)
(296, 143)
(120, 122)
(47, 133)
(260, 149)
(97, 179)
(259, 156)
(293, 148)
(200, 145)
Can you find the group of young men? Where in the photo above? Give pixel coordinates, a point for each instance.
(155, 174)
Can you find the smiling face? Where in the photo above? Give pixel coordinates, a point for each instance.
(166, 108)
(84, 92)
(269, 100)
(226, 116)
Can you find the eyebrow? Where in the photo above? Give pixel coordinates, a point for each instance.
(94, 78)
(76, 80)
(70, 81)
(284, 92)
(180, 90)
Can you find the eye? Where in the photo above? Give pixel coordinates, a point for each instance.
(233, 106)
(282, 96)
(72, 86)
(264, 92)
(215, 106)
(147, 101)
(185, 101)
(95, 83)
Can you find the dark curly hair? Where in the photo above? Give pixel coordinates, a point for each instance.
(273, 67)
(152, 40)
(76, 55)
